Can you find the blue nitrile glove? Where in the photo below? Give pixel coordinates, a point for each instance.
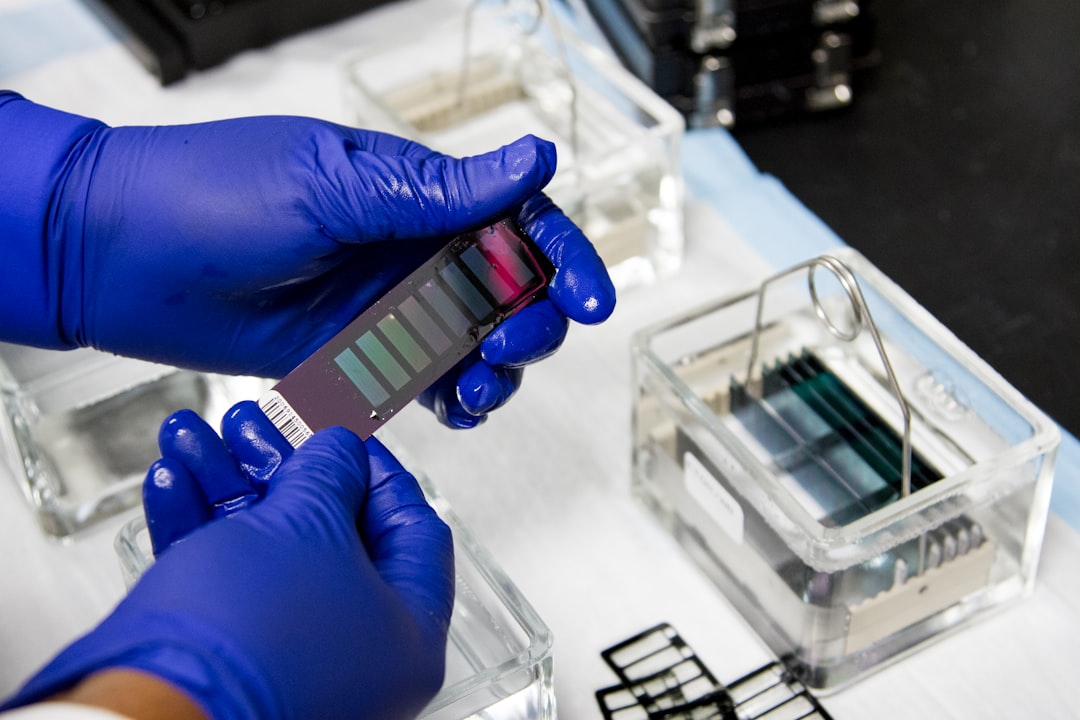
(242, 245)
(283, 609)
(222, 475)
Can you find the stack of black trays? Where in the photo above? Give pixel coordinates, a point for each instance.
(722, 62)
(172, 37)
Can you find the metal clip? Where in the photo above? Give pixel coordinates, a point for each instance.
(714, 26)
(832, 72)
(714, 93)
(829, 12)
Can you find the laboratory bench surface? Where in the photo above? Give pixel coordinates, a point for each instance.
(980, 231)
(957, 172)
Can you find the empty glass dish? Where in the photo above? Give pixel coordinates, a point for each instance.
(79, 428)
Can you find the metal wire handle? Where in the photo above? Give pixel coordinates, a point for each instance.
(861, 320)
(543, 10)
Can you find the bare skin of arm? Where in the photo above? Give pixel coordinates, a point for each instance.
(133, 694)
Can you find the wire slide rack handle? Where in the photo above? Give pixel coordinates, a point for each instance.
(543, 11)
(861, 320)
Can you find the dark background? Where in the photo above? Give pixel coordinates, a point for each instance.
(957, 173)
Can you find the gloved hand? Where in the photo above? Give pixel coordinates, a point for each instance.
(240, 246)
(223, 475)
(282, 608)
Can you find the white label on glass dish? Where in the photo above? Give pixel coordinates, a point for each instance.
(712, 497)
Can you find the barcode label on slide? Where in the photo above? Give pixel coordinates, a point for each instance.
(285, 419)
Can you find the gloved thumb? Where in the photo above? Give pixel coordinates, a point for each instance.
(324, 483)
(419, 193)
(411, 547)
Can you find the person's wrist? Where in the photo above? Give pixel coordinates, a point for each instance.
(189, 655)
(40, 277)
(133, 694)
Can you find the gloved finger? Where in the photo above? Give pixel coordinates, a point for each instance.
(482, 388)
(441, 398)
(324, 480)
(256, 444)
(410, 545)
(187, 438)
(581, 288)
(174, 503)
(532, 334)
(394, 196)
